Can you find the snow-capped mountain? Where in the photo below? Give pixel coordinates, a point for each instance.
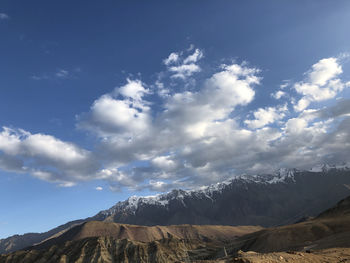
(264, 199)
(267, 199)
(328, 167)
(134, 202)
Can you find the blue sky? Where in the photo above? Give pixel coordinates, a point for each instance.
(138, 97)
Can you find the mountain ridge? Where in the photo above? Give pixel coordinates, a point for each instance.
(203, 233)
(244, 200)
(326, 238)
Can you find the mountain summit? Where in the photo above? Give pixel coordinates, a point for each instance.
(264, 199)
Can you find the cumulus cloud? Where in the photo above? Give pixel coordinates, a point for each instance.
(196, 56)
(128, 115)
(266, 116)
(173, 58)
(45, 157)
(321, 83)
(279, 94)
(184, 71)
(181, 67)
(192, 135)
(196, 140)
(133, 90)
(189, 120)
(164, 163)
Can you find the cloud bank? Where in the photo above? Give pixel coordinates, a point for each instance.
(194, 134)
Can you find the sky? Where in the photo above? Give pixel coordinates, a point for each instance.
(103, 100)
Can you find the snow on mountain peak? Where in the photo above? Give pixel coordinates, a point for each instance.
(326, 167)
(134, 202)
(281, 175)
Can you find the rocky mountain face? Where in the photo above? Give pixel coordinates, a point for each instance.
(107, 249)
(267, 200)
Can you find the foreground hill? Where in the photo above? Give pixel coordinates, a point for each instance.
(107, 249)
(204, 233)
(330, 229)
(267, 200)
(111, 242)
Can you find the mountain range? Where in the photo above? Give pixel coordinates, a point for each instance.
(267, 200)
(325, 238)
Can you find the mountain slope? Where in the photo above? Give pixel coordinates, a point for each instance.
(330, 229)
(267, 200)
(17, 242)
(207, 233)
(108, 250)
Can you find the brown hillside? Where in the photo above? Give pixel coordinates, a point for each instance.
(330, 229)
(108, 250)
(148, 234)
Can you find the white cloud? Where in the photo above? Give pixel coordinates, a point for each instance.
(164, 163)
(196, 56)
(62, 73)
(40, 77)
(296, 126)
(133, 90)
(302, 104)
(99, 188)
(59, 74)
(125, 116)
(285, 84)
(196, 140)
(266, 116)
(324, 70)
(157, 186)
(232, 86)
(173, 58)
(182, 68)
(4, 16)
(184, 71)
(188, 120)
(45, 157)
(279, 94)
(321, 83)
(190, 135)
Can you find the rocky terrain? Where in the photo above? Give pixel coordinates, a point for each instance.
(111, 242)
(281, 198)
(107, 249)
(204, 233)
(333, 255)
